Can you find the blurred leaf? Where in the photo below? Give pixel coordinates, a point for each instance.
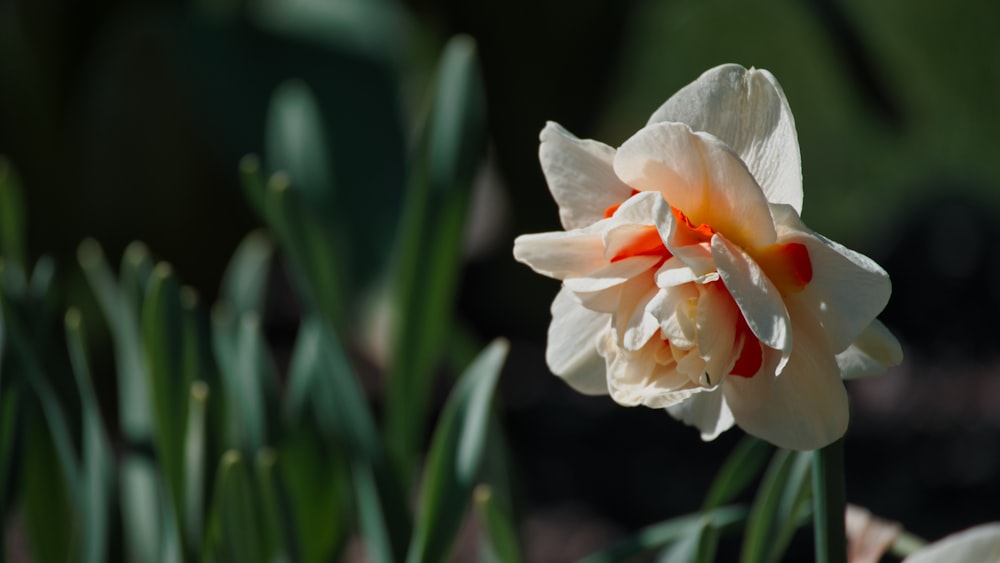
(248, 377)
(49, 509)
(501, 533)
(370, 27)
(430, 242)
(234, 532)
(322, 382)
(10, 433)
(724, 519)
(163, 340)
(776, 510)
(13, 244)
(276, 507)
(121, 315)
(141, 507)
(455, 456)
(698, 547)
(244, 284)
(98, 463)
(319, 485)
(195, 451)
(136, 269)
(740, 469)
(794, 507)
(296, 143)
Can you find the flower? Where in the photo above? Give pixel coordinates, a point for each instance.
(689, 281)
(979, 544)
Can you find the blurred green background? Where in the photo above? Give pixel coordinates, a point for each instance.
(126, 120)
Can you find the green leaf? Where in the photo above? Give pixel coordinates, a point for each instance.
(248, 378)
(794, 507)
(50, 510)
(430, 242)
(698, 547)
(234, 531)
(741, 468)
(121, 315)
(724, 519)
(829, 503)
(13, 245)
(163, 340)
(455, 456)
(297, 145)
(195, 452)
(322, 382)
(244, 284)
(501, 532)
(142, 510)
(136, 268)
(98, 463)
(776, 510)
(276, 506)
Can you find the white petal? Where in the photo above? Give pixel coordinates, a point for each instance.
(611, 274)
(561, 254)
(756, 296)
(871, 354)
(848, 289)
(580, 176)
(804, 408)
(633, 324)
(697, 257)
(572, 347)
(747, 110)
(980, 544)
(699, 175)
(717, 316)
(706, 411)
(638, 379)
(673, 272)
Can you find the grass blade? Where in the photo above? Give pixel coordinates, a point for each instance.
(740, 469)
(195, 452)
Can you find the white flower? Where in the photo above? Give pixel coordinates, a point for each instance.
(979, 544)
(690, 282)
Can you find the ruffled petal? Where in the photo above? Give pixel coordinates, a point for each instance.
(638, 379)
(701, 176)
(848, 289)
(871, 354)
(717, 314)
(748, 111)
(759, 301)
(804, 408)
(706, 411)
(580, 176)
(561, 254)
(572, 345)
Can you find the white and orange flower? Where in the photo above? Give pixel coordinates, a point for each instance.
(690, 282)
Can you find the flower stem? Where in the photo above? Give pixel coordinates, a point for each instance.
(829, 503)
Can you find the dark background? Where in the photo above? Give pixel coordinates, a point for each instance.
(126, 120)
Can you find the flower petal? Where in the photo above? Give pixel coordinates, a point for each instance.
(700, 176)
(755, 295)
(848, 289)
(804, 408)
(748, 111)
(976, 545)
(636, 378)
(572, 347)
(706, 411)
(561, 254)
(871, 354)
(580, 176)
(717, 316)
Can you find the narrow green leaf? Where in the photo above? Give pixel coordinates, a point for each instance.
(741, 468)
(430, 243)
(254, 186)
(50, 509)
(724, 519)
(455, 456)
(322, 382)
(13, 246)
(762, 528)
(135, 412)
(698, 547)
(794, 506)
(234, 532)
(195, 451)
(163, 341)
(276, 506)
(829, 503)
(98, 464)
(501, 533)
(136, 268)
(141, 507)
(245, 281)
(296, 144)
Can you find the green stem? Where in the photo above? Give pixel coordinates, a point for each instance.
(829, 503)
